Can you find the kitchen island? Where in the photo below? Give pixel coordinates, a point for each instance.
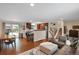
(39, 35)
(35, 35)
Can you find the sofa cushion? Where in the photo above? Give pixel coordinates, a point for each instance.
(62, 38)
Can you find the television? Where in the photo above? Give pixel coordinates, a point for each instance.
(73, 33)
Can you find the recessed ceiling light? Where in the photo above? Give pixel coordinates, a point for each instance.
(32, 4)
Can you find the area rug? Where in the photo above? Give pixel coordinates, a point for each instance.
(29, 52)
(34, 51)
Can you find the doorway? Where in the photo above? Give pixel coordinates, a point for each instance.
(12, 30)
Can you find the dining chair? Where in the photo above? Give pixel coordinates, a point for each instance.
(9, 42)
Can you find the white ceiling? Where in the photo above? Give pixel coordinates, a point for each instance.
(23, 12)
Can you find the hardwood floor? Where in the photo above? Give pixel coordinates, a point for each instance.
(21, 46)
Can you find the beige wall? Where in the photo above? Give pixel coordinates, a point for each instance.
(1, 29)
(69, 24)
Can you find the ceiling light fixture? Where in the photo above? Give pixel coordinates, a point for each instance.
(32, 4)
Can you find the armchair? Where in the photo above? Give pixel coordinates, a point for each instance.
(60, 41)
(74, 34)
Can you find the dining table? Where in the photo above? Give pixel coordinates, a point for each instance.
(6, 39)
